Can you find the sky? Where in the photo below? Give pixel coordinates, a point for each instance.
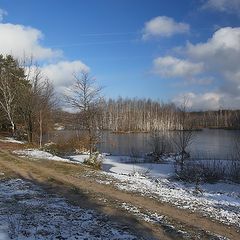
(164, 50)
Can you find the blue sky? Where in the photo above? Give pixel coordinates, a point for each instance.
(158, 49)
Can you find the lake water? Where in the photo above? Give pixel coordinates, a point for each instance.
(208, 143)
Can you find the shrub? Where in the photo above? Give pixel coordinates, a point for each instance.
(160, 145)
(65, 147)
(214, 170)
(190, 172)
(235, 171)
(95, 160)
(209, 170)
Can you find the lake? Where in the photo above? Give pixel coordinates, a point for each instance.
(208, 143)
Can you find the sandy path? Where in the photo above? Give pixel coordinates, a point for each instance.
(86, 192)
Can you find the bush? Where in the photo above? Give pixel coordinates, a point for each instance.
(95, 160)
(190, 172)
(160, 145)
(65, 147)
(208, 171)
(235, 171)
(214, 170)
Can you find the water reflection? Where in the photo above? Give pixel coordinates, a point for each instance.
(211, 143)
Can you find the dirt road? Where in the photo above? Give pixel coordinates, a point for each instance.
(78, 184)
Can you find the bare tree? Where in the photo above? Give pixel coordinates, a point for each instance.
(46, 101)
(184, 134)
(37, 102)
(235, 163)
(85, 98)
(138, 115)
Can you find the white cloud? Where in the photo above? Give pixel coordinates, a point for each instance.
(230, 6)
(22, 41)
(225, 42)
(19, 40)
(2, 14)
(186, 71)
(163, 26)
(169, 66)
(204, 101)
(199, 81)
(221, 56)
(61, 73)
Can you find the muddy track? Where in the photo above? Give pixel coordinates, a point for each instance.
(71, 181)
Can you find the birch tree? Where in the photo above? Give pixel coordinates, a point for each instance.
(37, 102)
(11, 78)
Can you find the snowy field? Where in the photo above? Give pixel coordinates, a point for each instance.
(11, 140)
(27, 212)
(220, 201)
(38, 154)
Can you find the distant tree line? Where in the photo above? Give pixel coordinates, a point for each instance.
(229, 119)
(138, 115)
(148, 115)
(27, 107)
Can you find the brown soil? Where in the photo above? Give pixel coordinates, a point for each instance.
(78, 184)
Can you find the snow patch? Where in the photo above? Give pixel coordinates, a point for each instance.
(219, 201)
(11, 140)
(38, 154)
(27, 212)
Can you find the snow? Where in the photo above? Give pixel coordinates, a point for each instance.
(38, 154)
(122, 165)
(220, 201)
(11, 140)
(27, 212)
(114, 164)
(58, 127)
(177, 230)
(218, 206)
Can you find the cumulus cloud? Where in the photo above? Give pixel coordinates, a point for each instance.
(189, 72)
(169, 66)
(215, 60)
(224, 45)
(163, 26)
(20, 40)
(229, 6)
(204, 101)
(61, 73)
(2, 14)
(221, 56)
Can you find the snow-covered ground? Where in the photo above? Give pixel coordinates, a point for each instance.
(122, 165)
(27, 212)
(11, 140)
(220, 201)
(38, 154)
(58, 127)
